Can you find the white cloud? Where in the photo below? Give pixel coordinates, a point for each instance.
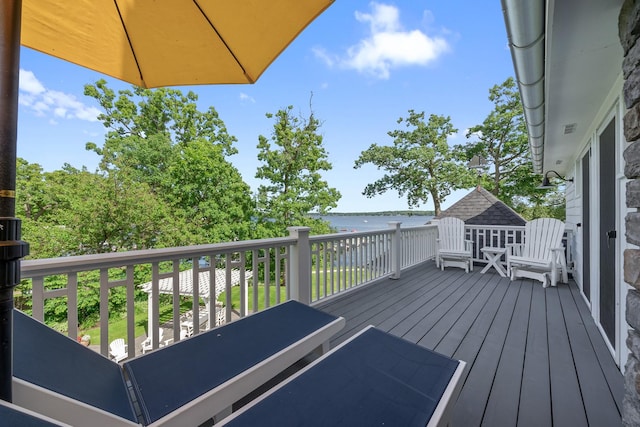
(244, 97)
(388, 45)
(29, 83)
(51, 103)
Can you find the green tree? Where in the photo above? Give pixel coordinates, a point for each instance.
(210, 193)
(502, 141)
(419, 164)
(293, 160)
(160, 139)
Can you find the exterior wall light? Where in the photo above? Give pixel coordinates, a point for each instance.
(546, 184)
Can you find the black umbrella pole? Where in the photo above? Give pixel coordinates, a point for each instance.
(12, 249)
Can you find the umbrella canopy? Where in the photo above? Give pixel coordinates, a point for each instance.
(154, 43)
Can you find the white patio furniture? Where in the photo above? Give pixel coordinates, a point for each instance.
(541, 255)
(493, 256)
(210, 284)
(186, 322)
(452, 249)
(118, 350)
(147, 345)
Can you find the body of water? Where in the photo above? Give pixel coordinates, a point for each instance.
(373, 222)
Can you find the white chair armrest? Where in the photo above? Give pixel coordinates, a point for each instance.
(514, 248)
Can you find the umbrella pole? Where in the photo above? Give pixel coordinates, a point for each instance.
(11, 247)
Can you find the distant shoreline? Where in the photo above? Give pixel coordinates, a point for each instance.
(381, 213)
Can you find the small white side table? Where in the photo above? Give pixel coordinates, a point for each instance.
(493, 255)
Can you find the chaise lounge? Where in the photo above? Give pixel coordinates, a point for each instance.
(186, 383)
(375, 378)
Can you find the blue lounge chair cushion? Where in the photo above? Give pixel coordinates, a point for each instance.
(167, 379)
(55, 362)
(11, 415)
(376, 379)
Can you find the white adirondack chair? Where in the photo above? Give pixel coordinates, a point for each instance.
(452, 249)
(147, 345)
(118, 350)
(541, 255)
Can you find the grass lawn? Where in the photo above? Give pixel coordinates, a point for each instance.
(118, 327)
(235, 291)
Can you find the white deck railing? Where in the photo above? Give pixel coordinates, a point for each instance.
(308, 269)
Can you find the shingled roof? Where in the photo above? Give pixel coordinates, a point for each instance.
(480, 207)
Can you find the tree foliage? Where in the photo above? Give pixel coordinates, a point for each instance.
(502, 140)
(160, 139)
(163, 180)
(293, 160)
(419, 164)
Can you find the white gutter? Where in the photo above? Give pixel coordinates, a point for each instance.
(525, 23)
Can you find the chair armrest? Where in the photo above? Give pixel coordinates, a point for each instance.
(513, 248)
(559, 255)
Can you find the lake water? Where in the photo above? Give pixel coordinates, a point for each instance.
(373, 222)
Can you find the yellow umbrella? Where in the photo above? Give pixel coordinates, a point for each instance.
(154, 43)
(149, 43)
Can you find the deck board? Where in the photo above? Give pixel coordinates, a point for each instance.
(534, 356)
(535, 400)
(590, 380)
(504, 400)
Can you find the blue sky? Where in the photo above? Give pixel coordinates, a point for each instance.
(366, 64)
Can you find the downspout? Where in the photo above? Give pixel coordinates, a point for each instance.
(525, 23)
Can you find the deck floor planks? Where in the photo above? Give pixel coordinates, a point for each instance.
(400, 305)
(433, 290)
(430, 331)
(608, 365)
(567, 406)
(477, 387)
(584, 358)
(357, 320)
(424, 310)
(502, 406)
(452, 340)
(482, 336)
(534, 409)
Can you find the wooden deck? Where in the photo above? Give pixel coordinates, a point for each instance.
(534, 356)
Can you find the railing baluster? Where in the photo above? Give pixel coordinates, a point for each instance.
(72, 304)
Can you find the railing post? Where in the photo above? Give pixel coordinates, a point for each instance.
(300, 285)
(396, 249)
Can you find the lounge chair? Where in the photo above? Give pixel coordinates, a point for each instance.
(541, 255)
(186, 383)
(56, 376)
(452, 249)
(14, 415)
(118, 350)
(373, 379)
(204, 375)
